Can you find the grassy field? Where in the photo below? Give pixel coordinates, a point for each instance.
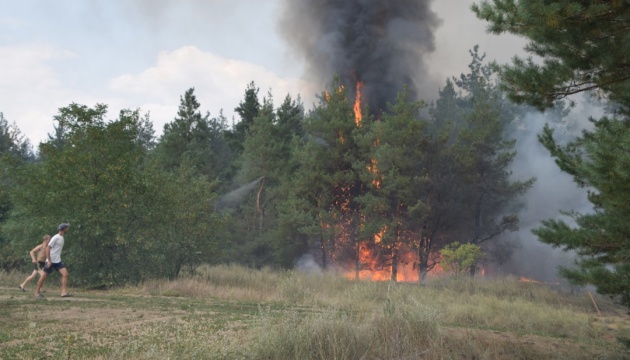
(229, 312)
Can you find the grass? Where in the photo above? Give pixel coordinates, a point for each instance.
(231, 312)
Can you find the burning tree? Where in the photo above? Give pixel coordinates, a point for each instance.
(327, 177)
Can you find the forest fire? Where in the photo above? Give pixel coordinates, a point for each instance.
(377, 57)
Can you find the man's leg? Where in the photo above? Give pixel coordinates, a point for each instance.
(64, 280)
(40, 282)
(29, 278)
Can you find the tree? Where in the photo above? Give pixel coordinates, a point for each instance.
(267, 158)
(471, 117)
(326, 181)
(91, 181)
(193, 139)
(15, 151)
(395, 179)
(599, 161)
(248, 110)
(461, 258)
(583, 46)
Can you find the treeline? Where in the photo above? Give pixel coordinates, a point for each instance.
(336, 182)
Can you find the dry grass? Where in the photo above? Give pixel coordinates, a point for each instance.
(230, 312)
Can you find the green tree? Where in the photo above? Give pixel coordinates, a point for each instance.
(461, 258)
(15, 151)
(193, 140)
(247, 110)
(92, 182)
(583, 46)
(267, 159)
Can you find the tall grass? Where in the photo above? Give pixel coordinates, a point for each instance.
(293, 315)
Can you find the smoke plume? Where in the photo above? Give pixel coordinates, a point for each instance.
(381, 43)
(236, 197)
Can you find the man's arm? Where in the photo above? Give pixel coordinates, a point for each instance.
(48, 254)
(32, 253)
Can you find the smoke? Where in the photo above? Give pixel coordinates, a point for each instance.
(554, 191)
(235, 197)
(381, 43)
(308, 265)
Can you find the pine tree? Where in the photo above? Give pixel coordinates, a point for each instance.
(326, 181)
(15, 151)
(473, 114)
(192, 139)
(247, 109)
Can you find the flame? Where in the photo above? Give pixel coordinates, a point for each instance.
(372, 270)
(528, 280)
(358, 117)
(327, 93)
(379, 236)
(373, 169)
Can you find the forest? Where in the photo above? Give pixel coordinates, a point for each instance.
(385, 187)
(376, 193)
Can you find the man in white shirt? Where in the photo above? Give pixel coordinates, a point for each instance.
(53, 260)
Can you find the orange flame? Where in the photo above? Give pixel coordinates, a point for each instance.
(528, 280)
(358, 117)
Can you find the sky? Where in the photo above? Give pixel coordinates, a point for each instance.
(144, 54)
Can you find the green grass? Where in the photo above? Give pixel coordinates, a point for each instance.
(230, 312)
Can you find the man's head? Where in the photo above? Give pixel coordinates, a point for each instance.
(63, 228)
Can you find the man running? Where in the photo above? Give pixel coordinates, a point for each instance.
(53, 255)
(38, 263)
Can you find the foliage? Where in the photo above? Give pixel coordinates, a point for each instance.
(95, 178)
(460, 258)
(194, 140)
(248, 110)
(15, 151)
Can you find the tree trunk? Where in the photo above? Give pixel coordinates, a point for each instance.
(259, 207)
(357, 263)
(395, 263)
(322, 246)
(421, 259)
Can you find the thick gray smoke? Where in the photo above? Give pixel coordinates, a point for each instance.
(381, 43)
(553, 192)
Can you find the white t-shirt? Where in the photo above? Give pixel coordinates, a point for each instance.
(56, 244)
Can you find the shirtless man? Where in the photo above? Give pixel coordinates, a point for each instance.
(38, 263)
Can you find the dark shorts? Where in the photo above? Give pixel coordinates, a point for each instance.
(39, 266)
(57, 266)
